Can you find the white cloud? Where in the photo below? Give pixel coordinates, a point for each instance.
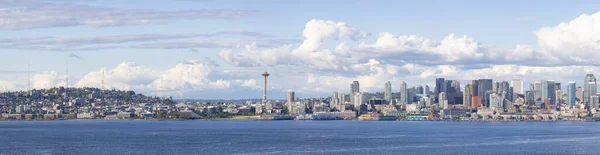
(308, 68)
(573, 42)
(47, 80)
(306, 54)
(31, 14)
(148, 41)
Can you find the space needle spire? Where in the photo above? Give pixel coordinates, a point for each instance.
(265, 74)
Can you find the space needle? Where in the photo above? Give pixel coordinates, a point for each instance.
(265, 74)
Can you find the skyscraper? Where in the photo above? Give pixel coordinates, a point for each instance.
(548, 91)
(496, 101)
(538, 94)
(467, 96)
(388, 92)
(517, 85)
(342, 100)
(357, 99)
(495, 86)
(420, 90)
(403, 93)
(426, 91)
(354, 88)
(591, 89)
(594, 101)
(484, 85)
(443, 100)
(440, 86)
(530, 97)
(510, 95)
(571, 91)
(579, 94)
(338, 101)
(291, 96)
(587, 93)
(475, 87)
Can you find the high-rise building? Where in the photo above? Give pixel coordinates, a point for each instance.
(411, 94)
(426, 91)
(557, 97)
(548, 91)
(579, 94)
(440, 86)
(420, 90)
(357, 100)
(571, 92)
(557, 86)
(530, 97)
(443, 96)
(495, 86)
(504, 87)
(335, 98)
(342, 98)
(290, 97)
(388, 92)
(594, 101)
(517, 85)
(475, 87)
(591, 89)
(403, 93)
(338, 101)
(484, 85)
(443, 100)
(354, 88)
(476, 101)
(496, 101)
(467, 96)
(587, 93)
(510, 94)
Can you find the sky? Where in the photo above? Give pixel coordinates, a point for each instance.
(209, 49)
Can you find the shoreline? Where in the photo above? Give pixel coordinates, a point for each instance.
(226, 119)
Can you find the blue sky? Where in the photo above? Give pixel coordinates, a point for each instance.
(493, 25)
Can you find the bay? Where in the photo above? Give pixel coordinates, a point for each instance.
(76, 137)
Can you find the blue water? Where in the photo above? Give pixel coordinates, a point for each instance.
(297, 137)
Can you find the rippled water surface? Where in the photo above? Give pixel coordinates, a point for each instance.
(297, 137)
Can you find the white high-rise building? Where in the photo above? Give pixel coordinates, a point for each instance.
(357, 99)
(388, 92)
(496, 101)
(517, 85)
(403, 93)
(591, 90)
(594, 102)
(338, 101)
(443, 100)
(467, 96)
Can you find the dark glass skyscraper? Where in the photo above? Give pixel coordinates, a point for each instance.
(484, 86)
(440, 86)
(571, 90)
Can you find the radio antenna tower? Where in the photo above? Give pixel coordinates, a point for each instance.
(103, 70)
(67, 80)
(29, 77)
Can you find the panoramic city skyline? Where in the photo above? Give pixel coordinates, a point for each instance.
(219, 49)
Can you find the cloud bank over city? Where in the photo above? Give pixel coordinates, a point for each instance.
(327, 57)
